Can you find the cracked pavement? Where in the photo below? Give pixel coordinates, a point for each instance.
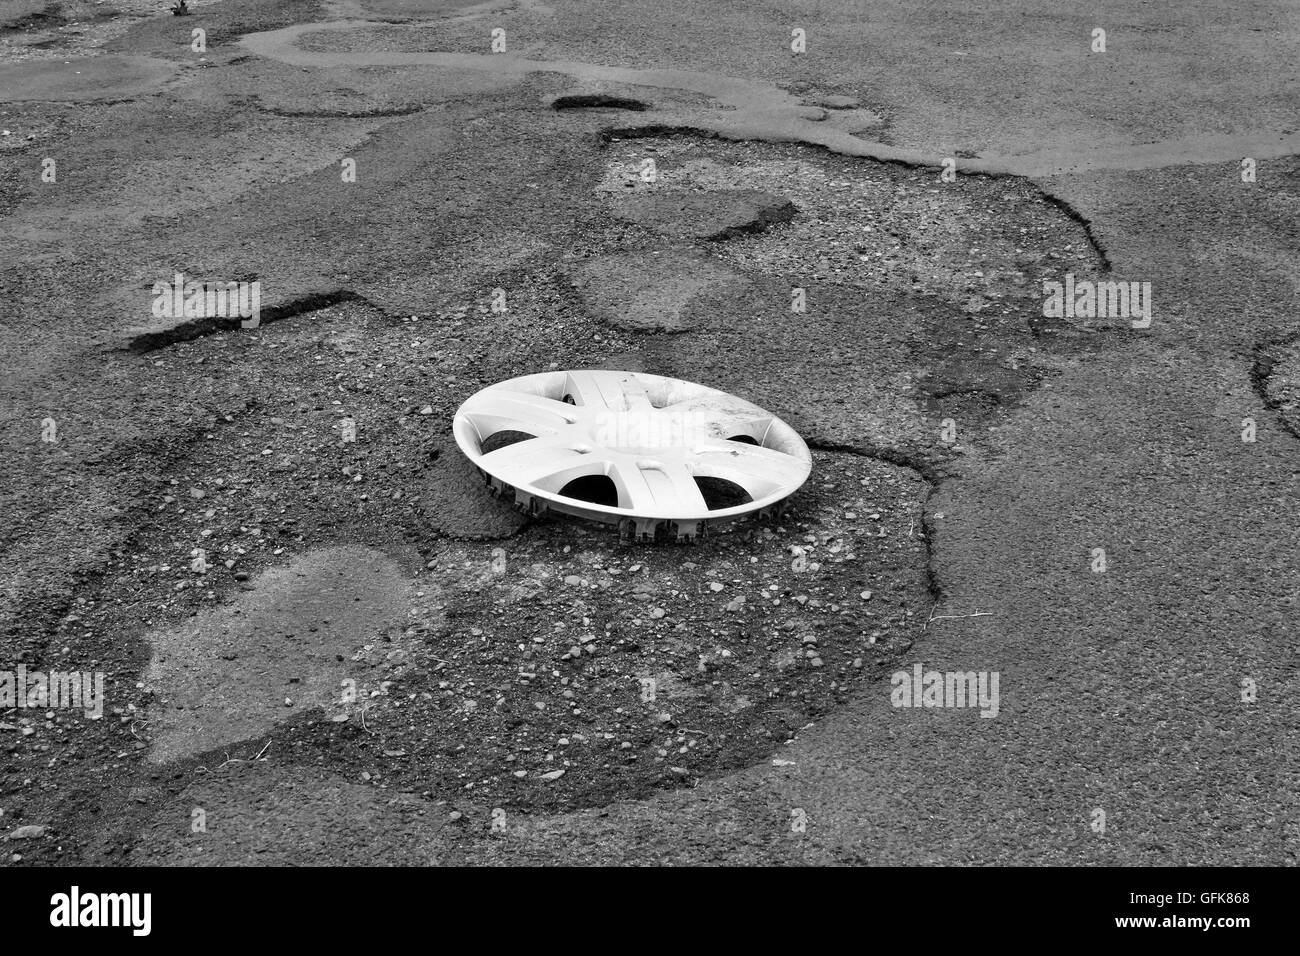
(971, 455)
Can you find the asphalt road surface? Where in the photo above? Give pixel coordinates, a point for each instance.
(1097, 510)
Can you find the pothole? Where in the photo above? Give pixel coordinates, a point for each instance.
(204, 318)
(590, 101)
(571, 672)
(1276, 375)
(333, 433)
(864, 223)
(888, 283)
(499, 663)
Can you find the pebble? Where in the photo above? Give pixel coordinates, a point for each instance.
(553, 775)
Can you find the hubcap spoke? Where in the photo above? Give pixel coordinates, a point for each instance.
(760, 471)
(538, 460)
(594, 389)
(495, 410)
(657, 490)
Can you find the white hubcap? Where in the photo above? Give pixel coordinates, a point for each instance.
(651, 437)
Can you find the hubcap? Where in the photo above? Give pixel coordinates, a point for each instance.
(631, 447)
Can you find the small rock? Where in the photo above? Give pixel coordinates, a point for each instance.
(29, 832)
(553, 775)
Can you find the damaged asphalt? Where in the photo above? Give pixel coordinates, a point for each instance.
(995, 449)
